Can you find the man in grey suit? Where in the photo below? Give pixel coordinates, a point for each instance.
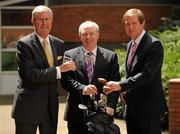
(39, 67)
(142, 89)
(82, 84)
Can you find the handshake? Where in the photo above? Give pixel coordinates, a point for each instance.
(112, 86)
(109, 86)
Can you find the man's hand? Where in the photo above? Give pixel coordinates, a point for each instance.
(122, 94)
(110, 111)
(111, 86)
(90, 90)
(68, 66)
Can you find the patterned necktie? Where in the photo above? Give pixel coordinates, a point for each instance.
(48, 54)
(89, 65)
(131, 53)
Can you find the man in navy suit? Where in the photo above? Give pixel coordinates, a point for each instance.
(36, 99)
(80, 86)
(142, 89)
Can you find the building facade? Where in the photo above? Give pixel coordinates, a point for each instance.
(68, 14)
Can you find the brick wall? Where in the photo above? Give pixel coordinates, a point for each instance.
(174, 106)
(67, 19)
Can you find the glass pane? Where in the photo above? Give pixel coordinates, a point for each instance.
(10, 36)
(16, 17)
(9, 61)
(31, 3)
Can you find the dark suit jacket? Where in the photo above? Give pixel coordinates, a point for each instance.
(106, 66)
(37, 89)
(143, 84)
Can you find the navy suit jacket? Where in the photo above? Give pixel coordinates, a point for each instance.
(37, 90)
(106, 66)
(143, 83)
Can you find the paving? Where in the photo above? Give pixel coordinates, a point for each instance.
(7, 123)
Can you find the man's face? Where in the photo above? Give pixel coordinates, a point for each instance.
(89, 37)
(132, 26)
(42, 23)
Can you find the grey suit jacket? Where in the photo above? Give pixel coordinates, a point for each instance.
(37, 90)
(106, 66)
(143, 79)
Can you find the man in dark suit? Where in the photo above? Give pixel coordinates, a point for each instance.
(142, 89)
(80, 85)
(36, 99)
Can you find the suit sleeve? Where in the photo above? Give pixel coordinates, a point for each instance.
(149, 67)
(69, 80)
(30, 65)
(114, 76)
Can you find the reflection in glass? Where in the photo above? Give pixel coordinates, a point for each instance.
(10, 36)
(16, 17)
(9, 61)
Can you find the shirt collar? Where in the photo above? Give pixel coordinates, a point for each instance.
(94, 51)
(137, 41)
(41, 39)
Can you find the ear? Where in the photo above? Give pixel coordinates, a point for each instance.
(32, 21)
(143, 23)
(98, 35)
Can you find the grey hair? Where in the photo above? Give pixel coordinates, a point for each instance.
(40, 9)
(87, 24)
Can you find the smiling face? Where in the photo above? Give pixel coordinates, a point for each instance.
(89, 37)
(42, 23)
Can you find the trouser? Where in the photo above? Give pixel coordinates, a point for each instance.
(45, 127)
(77, 128)
(143, 125)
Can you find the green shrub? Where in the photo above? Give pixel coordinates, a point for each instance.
(121, 53)
(171, 64)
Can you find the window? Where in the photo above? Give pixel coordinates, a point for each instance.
(15, 25)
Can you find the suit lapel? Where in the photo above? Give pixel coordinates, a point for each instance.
(138, 51)
(54, 52)
(98, 62)
(81, 63)
(39, 48)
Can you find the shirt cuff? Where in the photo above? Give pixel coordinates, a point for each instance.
(58, 72)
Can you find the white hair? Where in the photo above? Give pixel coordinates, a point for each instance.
(87, 24)
(40, 9)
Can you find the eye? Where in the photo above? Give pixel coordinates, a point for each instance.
(127, 24)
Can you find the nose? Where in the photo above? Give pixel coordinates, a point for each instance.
(130, 26)
(87, 35)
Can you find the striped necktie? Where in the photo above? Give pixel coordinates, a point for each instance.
(48, 54)
(131, 53)
(89, 65)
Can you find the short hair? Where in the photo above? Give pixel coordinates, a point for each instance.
(40, 9)
(132, 12)
(87, 24)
